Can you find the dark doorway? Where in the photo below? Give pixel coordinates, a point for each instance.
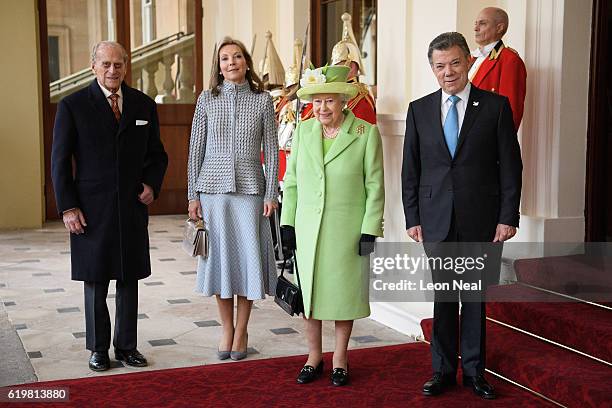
(598, 203)
(326, 25)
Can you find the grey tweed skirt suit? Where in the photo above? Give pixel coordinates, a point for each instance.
(225, 173)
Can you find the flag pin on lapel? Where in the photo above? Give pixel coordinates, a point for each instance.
(475, 103)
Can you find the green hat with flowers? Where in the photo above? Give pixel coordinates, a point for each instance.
(326, 80)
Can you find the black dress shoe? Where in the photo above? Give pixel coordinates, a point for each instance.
(309, 373)
(480, 386)
(131, 357)
(99, 361)
(339, 377)
(438, 384)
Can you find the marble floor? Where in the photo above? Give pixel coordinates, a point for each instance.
(176, 326)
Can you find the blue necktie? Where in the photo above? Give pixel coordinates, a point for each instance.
(451, 125)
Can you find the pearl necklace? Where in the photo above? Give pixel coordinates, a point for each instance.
(331, 135)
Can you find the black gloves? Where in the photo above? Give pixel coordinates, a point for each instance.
(366, 244)
(288, 238)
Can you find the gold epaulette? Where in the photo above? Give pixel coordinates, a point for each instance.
(513, 50)
(362, 89)
(287, 113)
(494, 54)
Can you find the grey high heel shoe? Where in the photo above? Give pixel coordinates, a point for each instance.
(239, 355)
(223, 355)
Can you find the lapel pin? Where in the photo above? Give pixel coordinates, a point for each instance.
(360, 129)
(475, 103)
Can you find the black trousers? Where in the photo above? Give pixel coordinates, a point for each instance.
(97, 318)
(448, 322)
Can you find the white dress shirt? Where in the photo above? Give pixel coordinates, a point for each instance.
(108, 93)
(480, 55)
(461, 104)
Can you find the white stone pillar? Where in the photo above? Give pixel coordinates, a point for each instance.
(292, 17)
(555, 122)
(403, 74)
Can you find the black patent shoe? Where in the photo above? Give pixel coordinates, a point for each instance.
(339, 377)
(131, 357)
(480, 386)
(438, 384)
(99, 361)
(310, 373)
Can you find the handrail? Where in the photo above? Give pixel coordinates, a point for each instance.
(138, 57)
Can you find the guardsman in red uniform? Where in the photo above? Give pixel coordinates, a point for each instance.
(495, 67)
(286, 109)
(346, 52)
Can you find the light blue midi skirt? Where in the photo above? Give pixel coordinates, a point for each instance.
(241, 253)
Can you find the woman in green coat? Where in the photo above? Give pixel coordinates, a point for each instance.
(333, 201)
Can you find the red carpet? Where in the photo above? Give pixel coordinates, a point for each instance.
(389, 376)
(562, 375)
(584, 277)
(581, 326)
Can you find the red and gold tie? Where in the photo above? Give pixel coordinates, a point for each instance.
(115, 106)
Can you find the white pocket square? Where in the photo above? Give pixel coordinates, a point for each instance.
(141, 122)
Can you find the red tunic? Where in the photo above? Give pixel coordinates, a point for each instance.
(504, 72)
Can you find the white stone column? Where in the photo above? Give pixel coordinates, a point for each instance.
(554, 126)
(292, 17)
(403, 74)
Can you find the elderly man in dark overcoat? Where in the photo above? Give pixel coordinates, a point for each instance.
(107, 166)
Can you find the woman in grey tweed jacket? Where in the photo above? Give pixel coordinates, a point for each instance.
(227, 187)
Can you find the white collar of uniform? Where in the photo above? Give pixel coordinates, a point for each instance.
(108, 93)
(463, 95)
(485, 50)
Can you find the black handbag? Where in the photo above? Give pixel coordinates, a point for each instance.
(288, 295)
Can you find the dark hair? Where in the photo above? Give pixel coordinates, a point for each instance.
(448, 40)
(216, 77)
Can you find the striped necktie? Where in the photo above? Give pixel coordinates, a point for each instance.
(451, 125)
(115, 106)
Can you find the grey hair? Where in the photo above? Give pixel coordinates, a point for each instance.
(344, 98)
(94, 51)
(446, 41)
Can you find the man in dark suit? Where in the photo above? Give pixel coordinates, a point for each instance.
(107, 165)
(461, 182)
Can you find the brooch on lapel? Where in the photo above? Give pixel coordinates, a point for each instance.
(475, 103)
(360, 129)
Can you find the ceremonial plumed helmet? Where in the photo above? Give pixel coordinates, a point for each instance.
(292, 75)
(347, 49)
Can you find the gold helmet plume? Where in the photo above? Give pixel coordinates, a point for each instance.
(347, 49)
(292, 76)
(271, 65)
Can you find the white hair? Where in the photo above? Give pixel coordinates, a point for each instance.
(94, 51)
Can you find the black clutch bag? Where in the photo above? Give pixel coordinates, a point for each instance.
(288, 295)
